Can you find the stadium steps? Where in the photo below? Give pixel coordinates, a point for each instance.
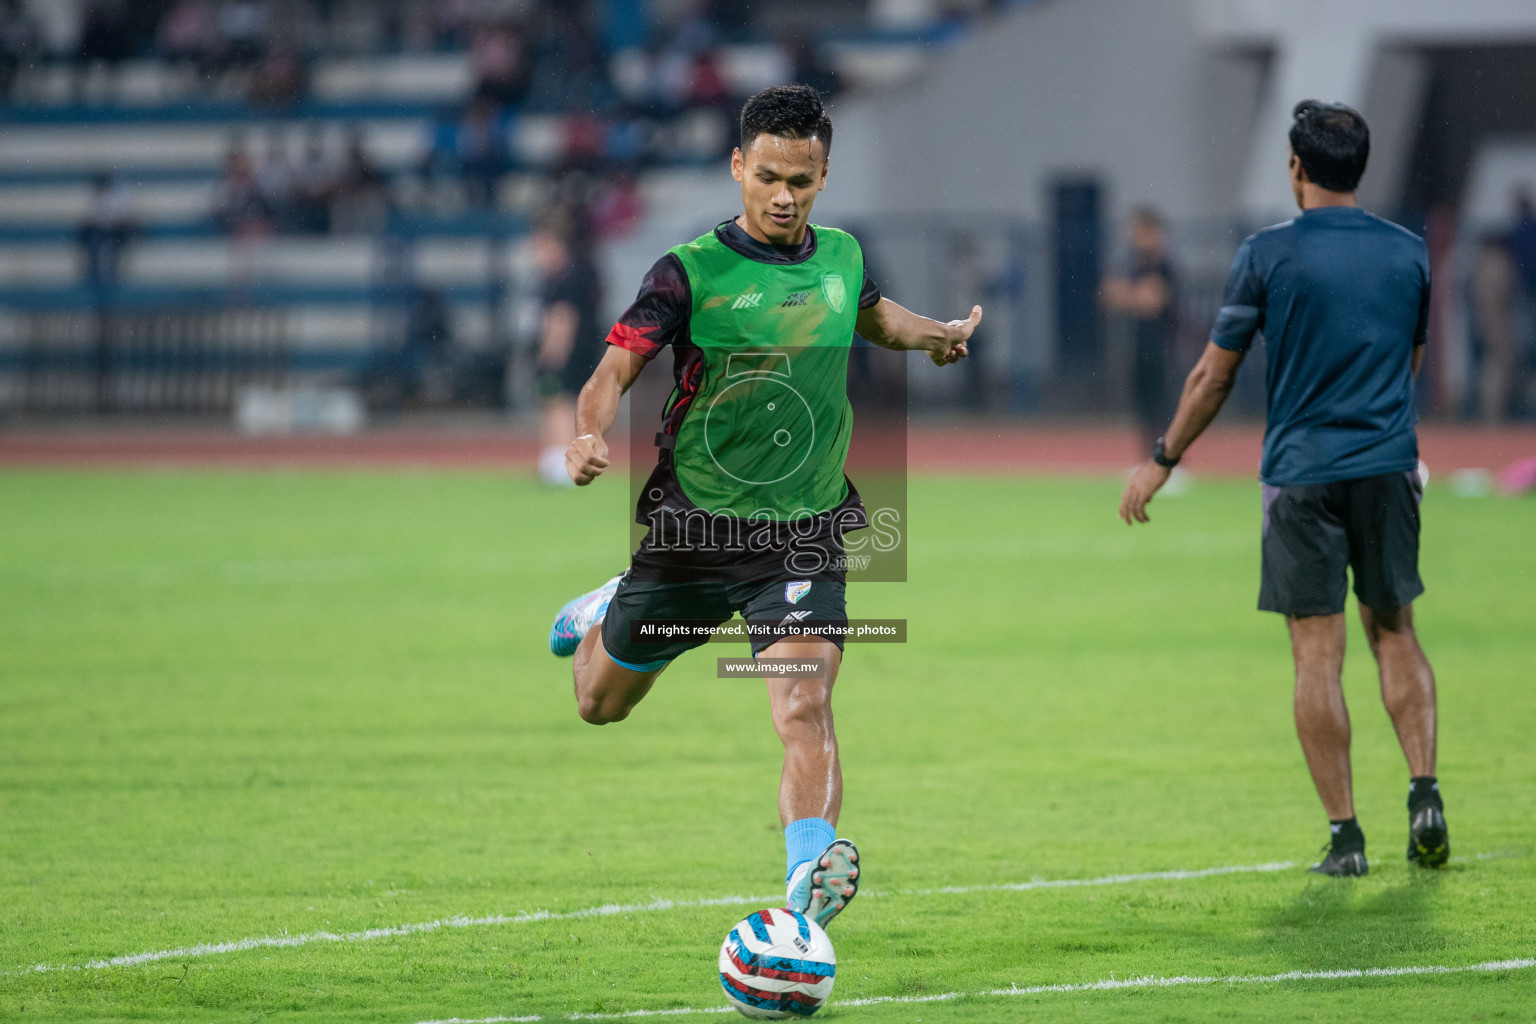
(155, 128)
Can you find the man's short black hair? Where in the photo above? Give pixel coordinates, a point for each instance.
(1332, 143)
(788, 111)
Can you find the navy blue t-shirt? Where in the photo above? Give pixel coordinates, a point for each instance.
(1342, 299)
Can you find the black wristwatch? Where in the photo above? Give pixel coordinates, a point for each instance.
(1160, 454)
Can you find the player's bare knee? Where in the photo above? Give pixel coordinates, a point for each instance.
(596, 714)
(591, 701)
(1394, 622)
(598, 711)
(805, 711)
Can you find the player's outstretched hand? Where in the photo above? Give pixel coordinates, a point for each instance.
(586, 459)
(952, 347)
(1145, 482)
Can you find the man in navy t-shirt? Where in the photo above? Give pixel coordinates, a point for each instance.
(1342, 300)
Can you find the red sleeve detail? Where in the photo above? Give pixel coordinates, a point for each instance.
(635, 339)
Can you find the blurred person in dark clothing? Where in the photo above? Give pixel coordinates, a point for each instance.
(243, 24)
(359, 201)
(1522, 242)
(571, 339)
(274, 180)
(1146, 292)
(480, 144)
(189, 34)
(1522, 250)
(238, 207)
(452, 23)
(314, 180)
(393, 377)
(429, 329)
(1494, 293)
(281, 77)
(105, 233)
(570, 72)
(498, 57)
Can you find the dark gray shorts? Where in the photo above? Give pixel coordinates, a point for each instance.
(1313, 533)
(805, 600)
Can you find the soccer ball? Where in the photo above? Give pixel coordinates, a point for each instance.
(777, 963)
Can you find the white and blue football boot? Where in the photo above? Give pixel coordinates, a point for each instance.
(821, 888)
(579, 615)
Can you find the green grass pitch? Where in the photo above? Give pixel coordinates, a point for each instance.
(245, 705)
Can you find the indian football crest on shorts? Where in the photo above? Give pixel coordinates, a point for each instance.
(835, 290)
(794, 590)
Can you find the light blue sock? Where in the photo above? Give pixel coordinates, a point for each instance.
(804, 840)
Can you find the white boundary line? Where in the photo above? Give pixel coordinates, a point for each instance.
(609, 909)
(1102, 985)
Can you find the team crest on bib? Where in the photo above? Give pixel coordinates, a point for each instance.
(794, 590)
(836, 292)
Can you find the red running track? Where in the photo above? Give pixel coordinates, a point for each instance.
(1002, 447)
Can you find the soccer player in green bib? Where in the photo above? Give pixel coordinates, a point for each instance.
(748, 501)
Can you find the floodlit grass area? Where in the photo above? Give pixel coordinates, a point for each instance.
(248, 705)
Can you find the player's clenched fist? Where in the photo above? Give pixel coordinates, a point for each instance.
(586, 459)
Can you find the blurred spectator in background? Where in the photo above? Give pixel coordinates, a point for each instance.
(571, 339)
(429, 329)
(189, 35)
(393, 377)
(480, 145)
(617, 206)
(1145, 292)
(570, 70)
(498, 60)
(105, 233)
(359, 202)
(243, 24)
(313, 180)
(452, 22)
(238, 207)
(18, 43)
(281, 76)
(1522, 250)
(1522, 243)
(274, 180)
(1495, 288)
(707, 86)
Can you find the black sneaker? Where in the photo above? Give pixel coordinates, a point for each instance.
(1429, 840)
(1342, 864)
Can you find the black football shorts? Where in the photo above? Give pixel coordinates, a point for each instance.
(1313, 533)
(805, 601)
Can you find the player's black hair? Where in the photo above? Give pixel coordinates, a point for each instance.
(1332, 143)
(788, 111)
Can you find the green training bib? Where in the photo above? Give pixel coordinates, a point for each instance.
(766, 434)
